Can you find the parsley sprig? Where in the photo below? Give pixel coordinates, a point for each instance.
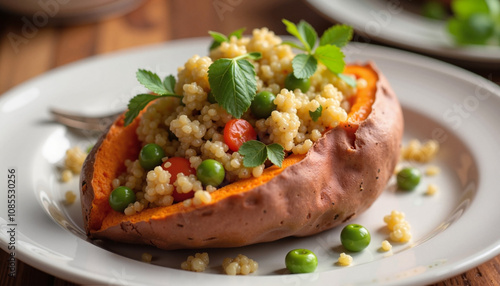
(233, 82)
(328, 51)
(152, 82)
(255, 153)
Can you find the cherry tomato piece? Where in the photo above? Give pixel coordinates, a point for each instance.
(237, 132)
(179, 165)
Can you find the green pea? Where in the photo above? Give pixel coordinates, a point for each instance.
(120, 198)
(150, 156)
(210, 172)
(355, 237)
(263, 104)
(301, 261)
(292, 83)
(408, 178)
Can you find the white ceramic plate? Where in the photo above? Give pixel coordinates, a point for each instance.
(453, 230)
(387, 22)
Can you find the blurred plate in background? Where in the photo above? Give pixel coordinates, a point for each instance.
(388, 22)
(67, 11)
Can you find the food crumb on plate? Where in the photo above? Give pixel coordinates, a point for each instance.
(386, 245)
(432, 170)
(196, 263)
(432, 189)
(400, 229)
(146, 257)
(420, 152)
(345, 259)
(69, 197)
(240, 265)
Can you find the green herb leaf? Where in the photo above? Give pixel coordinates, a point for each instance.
(252, 55)
(294, 45)
(315, 115)
(151, 81)
(136, 104)
(238, 33)
(308, 34)
(294, 31)
(332, 57)
(328, 52)
(338, 35)
(233, 83)
(254, 152)
(304, 65)
(169, 83)
(348, 79)
(275, 154)
(219, 38)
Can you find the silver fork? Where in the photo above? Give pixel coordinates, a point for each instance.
(84, 122)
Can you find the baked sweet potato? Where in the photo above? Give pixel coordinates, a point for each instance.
(339, 178)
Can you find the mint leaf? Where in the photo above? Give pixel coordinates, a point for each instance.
(308, 33)
(315, 115)
(233, 83)
(151, 81)
(328, 52)
(348, 79)
(293, 30)
(254, 152)
(275, 154)
(331, 56)
(294, 45)
(338, 35)
(169, 83)
(304, 65)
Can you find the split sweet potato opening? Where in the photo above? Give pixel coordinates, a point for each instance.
(121, 143)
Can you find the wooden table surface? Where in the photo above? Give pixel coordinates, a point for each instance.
(52, 44)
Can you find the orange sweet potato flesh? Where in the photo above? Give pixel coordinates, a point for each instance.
(339, 178)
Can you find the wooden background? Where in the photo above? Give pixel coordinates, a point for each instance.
(55, 44)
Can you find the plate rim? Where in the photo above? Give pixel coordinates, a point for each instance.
(71, 274)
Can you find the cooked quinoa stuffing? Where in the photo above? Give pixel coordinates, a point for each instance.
(240, 265)
(196, 263)
(345, 259)
(192, 128)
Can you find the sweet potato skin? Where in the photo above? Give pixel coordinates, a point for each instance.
(339, 178)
